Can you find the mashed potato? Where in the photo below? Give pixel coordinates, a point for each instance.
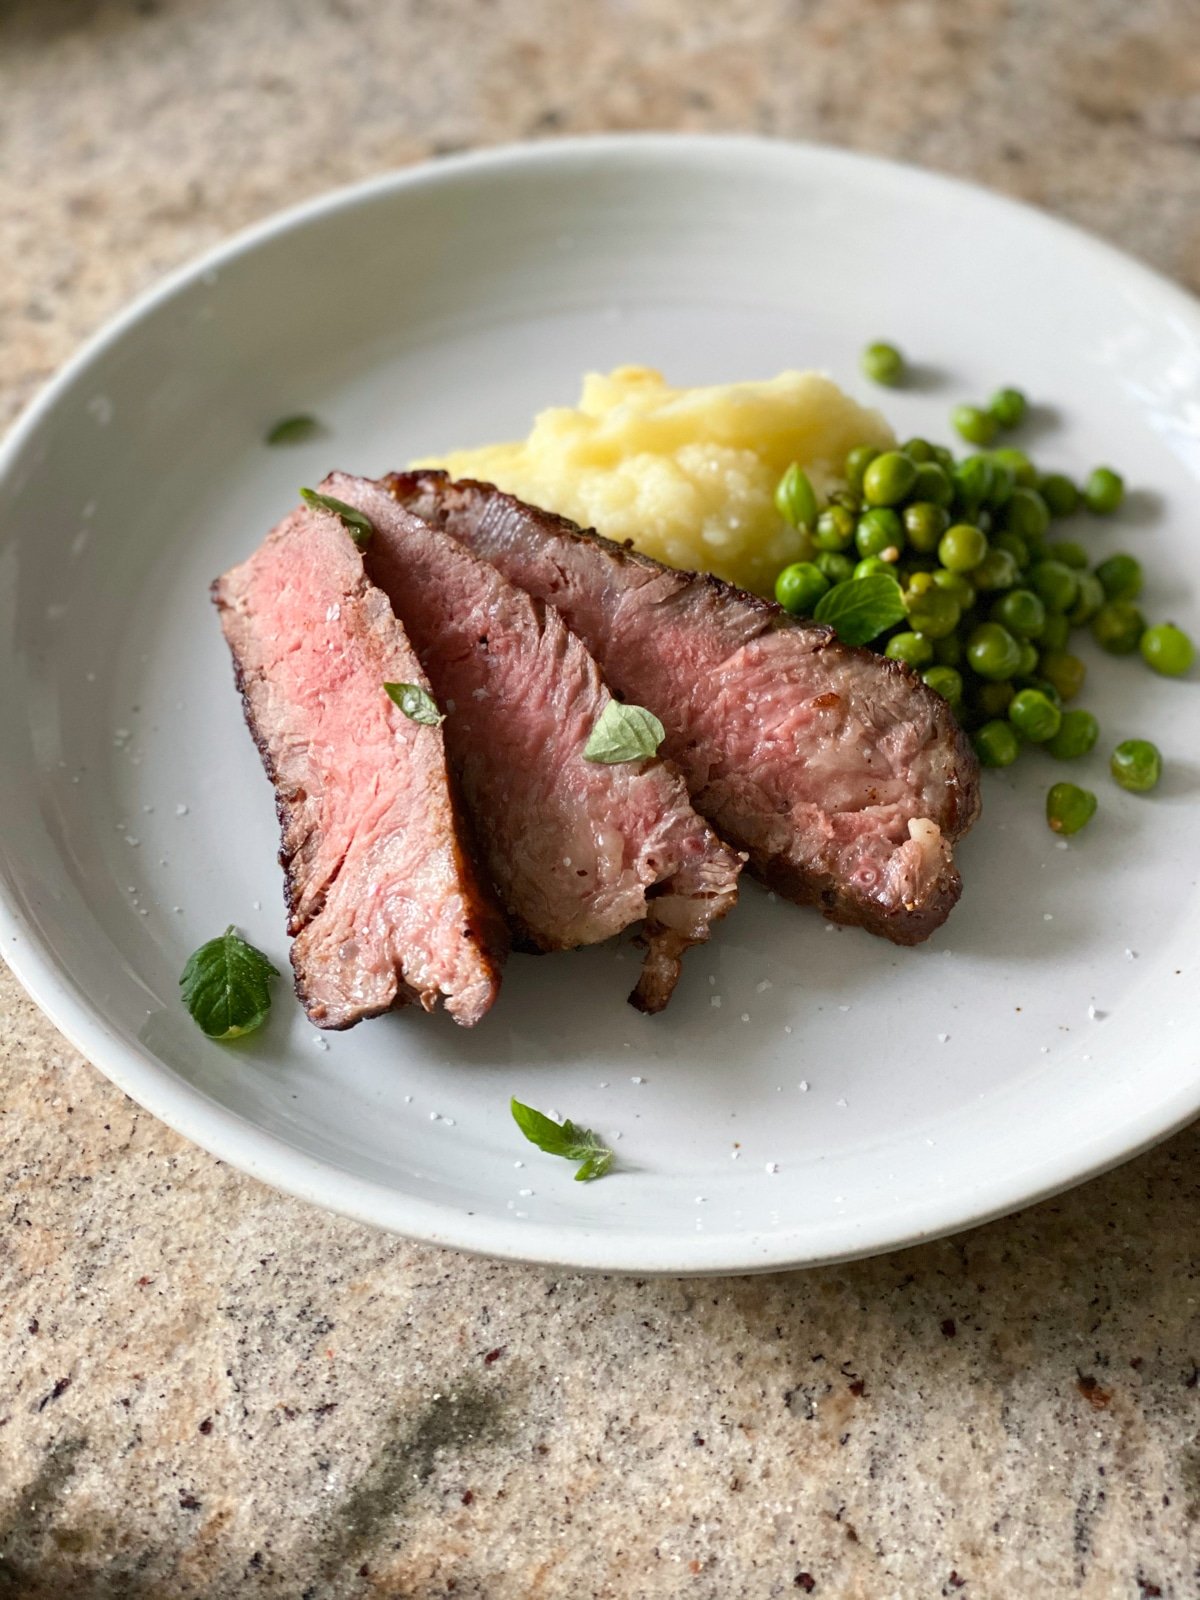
(688, 475)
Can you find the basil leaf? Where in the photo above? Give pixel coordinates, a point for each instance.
(360, 528)
(226, 986)
(624, 733)
(417, 704)
(293, 430)
(861, 608)
(566, 1139)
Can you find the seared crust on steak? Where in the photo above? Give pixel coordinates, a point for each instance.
(844, 778)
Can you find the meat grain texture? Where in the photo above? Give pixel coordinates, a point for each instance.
(385, 905)
(843, 777)
(577, 850)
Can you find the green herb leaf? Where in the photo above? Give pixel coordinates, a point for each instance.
(293, 430)
(566, 1139)
(861, 608)
(226, 986)
(624, 733)
(360, 528)
(417, 704)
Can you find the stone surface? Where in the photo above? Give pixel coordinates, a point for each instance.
(208, 1390)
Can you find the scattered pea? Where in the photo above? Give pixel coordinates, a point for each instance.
(1087, 602)
(1007, 406)
(1018, 463)
(889, 479)
(835, 566)
(955, 583)
(1104, 491)
(878, 530)
(1069, 808)
(918, 450)
(914, 649)
(1026, 513)
(1059, 493)
(947, 682)
(1070, 552)
(1167, 649)
(1136, 764)
(1032, 714)
(933, 483)
(973, 424)
(931, 610)
(1029, 658)
(994, 699)
(992, 651)
(1120, 577)
(1077, 734)
(973, 480)
(1065, 671)
(996, 744)
(924, 524)
(883, 363)
(997, 570)
(795, 498)
(1021, 612)
(857, 462)
(874, 566)
(962, 547)
(1055, 585)
(1055, 634)
(834, 529)
(1117, 627)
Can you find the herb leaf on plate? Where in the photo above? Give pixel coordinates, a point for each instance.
(624, 733)
(417, 704)
(566, 1139)
(226, 985)
(360, 528)
(861, 608)
(293, 430)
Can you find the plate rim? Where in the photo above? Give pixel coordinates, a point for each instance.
(230, 1137)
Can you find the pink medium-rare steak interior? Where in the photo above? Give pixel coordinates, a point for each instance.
(842, 775)
(384, 902)
(578, 850)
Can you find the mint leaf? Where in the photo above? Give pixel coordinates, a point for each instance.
(861, 608)
(566, 1139)
(359, 528)
(417, 704)
(226, 986)
(293, 430)
(624, 733)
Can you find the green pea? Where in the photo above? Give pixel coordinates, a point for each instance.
(1104, 491)
(883, 363)
(1117, 627)
(912, 648)
(947, 682)
(1032, 714)
(992, 651)
(1026, 513)
(1055, 585)
(933, 484)
(1015, 543)
(795, 498)
(889, 479)
(918, 450)
(1059, 493)
(948, 650)
(1038, 549)
(878, 530)
(1070, 553)
(1007, 406)
(799, 587)
(1088, 601)
(847, 498)
(962, 547)
(973, 480)
(1021, 612)
(1120, 577)
(924, 524)
(930, 610)
(1043, 686)
(973, 424)
(996, 744)
(1004, 481)
(955, 583)
(1056, 632)
(1029, 658)
(873, 567)
(994, 699)
(857, 462)
(1167, 649)
(835, 528)
(997, 570)
(1136, 764)
(838, 568)
(1018, 463)
(1065, 671)
(944, 459)
(1069, 808)
(1077, 734)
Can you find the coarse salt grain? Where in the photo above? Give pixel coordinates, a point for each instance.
(745, 1016)
(803, 1086)
(943, 1038)
(761, 988)
(637, 1080)
(181, 811)
(772, 1167)
(715, 1001)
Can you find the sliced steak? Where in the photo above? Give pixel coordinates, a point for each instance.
(384, 902)
(577, 850)
(844, 778)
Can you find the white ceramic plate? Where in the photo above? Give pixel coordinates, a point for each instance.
(810, 1094)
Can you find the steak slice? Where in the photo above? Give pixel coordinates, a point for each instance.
(383, 899)
(844, 778)
(577, 850)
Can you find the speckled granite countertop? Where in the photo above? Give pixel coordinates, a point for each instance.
(208, 1390)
